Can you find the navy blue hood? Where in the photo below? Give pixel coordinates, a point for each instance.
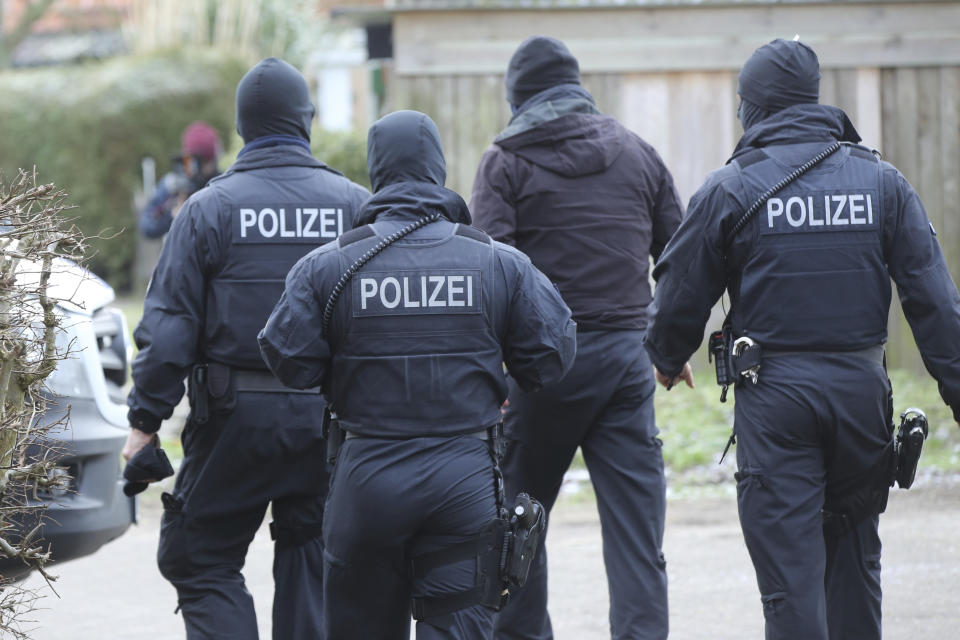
(797, 124)
(273, 100)
(404, 146)
(412, 200)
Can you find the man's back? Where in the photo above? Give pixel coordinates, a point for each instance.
(588, 201)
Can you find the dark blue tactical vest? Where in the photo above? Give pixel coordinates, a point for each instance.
(809, 271)
(267, 237)
(416, 334)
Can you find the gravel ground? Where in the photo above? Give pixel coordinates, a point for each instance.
(118, 593)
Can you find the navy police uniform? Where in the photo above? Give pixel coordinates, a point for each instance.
(590, 203)
(412, 364)
(248, 440)
(809, 281)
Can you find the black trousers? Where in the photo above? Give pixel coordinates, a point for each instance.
(604, 405)
(267, 449)
(811, 423)
(391, 500)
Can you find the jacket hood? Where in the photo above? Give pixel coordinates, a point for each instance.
(404, 146)
(412, 200)
(800, 123)
(562, 131)
(273, 99)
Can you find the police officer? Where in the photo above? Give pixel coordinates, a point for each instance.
(590, 202)
(412, 364)
(248, 440)
(809, 284)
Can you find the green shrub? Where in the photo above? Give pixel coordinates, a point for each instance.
(87, 128)
(345, 151)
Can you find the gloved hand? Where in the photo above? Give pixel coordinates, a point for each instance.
(149, 464)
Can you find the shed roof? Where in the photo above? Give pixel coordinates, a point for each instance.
(474, 5)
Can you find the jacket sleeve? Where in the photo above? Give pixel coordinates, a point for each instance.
(292, 343)
(667, 212)
(928, 294)
(541, 336)
(492, 203)
(691, 277)
(170, 330)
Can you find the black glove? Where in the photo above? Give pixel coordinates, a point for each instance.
(148, 464)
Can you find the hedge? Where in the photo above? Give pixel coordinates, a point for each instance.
(87, 127)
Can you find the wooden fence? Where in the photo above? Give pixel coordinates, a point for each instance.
(911, 113)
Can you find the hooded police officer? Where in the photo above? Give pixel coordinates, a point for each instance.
(590, 203)
(412, 363)
(248, 440)
(809, 284)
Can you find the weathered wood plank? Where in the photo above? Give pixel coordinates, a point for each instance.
(950, 162)
(692, 38)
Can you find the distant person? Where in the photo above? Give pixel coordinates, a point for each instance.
(249, 441)
(200, 150)
(590, 203)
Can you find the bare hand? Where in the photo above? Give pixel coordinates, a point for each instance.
(136, 440)
(686, 375)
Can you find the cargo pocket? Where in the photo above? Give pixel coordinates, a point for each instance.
(173, 551)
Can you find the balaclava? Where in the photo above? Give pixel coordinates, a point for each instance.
(778, 75)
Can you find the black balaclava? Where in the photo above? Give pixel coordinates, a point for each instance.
(273, 100)
(404, 146)
(778, 75)
(539, 63)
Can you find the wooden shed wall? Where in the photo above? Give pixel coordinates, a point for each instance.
(910, 112)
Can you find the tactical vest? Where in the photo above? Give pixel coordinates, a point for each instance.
(265, 242)
(809, 270)
(416, 334)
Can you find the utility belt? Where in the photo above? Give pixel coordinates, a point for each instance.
(503, 550)
(214, 385)
(738, 360)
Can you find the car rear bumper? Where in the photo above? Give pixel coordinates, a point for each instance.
(94, 510)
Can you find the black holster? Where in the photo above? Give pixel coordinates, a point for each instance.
(909, 444)
(197, 394)
(526, 528)
(209, 388)
(333, 433)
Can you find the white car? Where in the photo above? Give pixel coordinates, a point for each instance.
(89, 384)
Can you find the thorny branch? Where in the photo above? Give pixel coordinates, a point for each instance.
(35, 238)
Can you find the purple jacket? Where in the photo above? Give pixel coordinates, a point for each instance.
(586, 199)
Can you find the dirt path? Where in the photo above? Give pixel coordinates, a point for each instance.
(118, 593)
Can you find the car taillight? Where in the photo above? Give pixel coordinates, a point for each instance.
(110, 328)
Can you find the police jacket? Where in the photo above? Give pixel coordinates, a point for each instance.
(224, 262)
(419, 338)
(811, 270)
(586, 199)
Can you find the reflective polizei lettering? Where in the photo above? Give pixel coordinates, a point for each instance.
(820, 212)
(435, 291)
(288, 223)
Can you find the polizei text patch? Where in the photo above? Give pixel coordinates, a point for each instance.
(429, 291)
(821, 211)
(287, 223)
